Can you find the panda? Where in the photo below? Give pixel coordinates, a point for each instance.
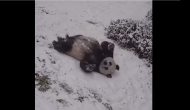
(88, 51)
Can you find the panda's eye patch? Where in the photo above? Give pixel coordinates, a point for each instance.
(110, 63)
(105, 62)
(106, 68)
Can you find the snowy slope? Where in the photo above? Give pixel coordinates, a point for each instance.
(130, 88)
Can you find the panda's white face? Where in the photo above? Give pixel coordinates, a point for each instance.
(107, 66)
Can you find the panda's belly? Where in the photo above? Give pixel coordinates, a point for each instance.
(78, 51)
(89, 42)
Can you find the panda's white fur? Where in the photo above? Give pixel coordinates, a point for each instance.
(81, 46)
(78, 51)
(111, 68)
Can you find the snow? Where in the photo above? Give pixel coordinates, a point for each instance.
(130, 88)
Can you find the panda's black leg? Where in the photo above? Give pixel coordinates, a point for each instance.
(108, 45)
(86, 67)
(107, 48)
(90, 58)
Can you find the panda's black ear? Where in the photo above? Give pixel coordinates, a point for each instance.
(117, 67)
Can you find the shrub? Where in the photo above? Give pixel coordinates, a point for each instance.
(134, 35)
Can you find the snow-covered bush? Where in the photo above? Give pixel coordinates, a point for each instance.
(133, 35)
(149, 15)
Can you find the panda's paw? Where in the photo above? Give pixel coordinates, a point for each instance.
(109, 76)
(60, 39)
(90, 67)
(111, 46)
(54, 43)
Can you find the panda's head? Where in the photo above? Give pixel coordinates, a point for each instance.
(108, 67)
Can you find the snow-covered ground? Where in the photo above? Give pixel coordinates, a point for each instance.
(130, 88)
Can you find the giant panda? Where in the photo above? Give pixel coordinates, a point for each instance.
(88, 51)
